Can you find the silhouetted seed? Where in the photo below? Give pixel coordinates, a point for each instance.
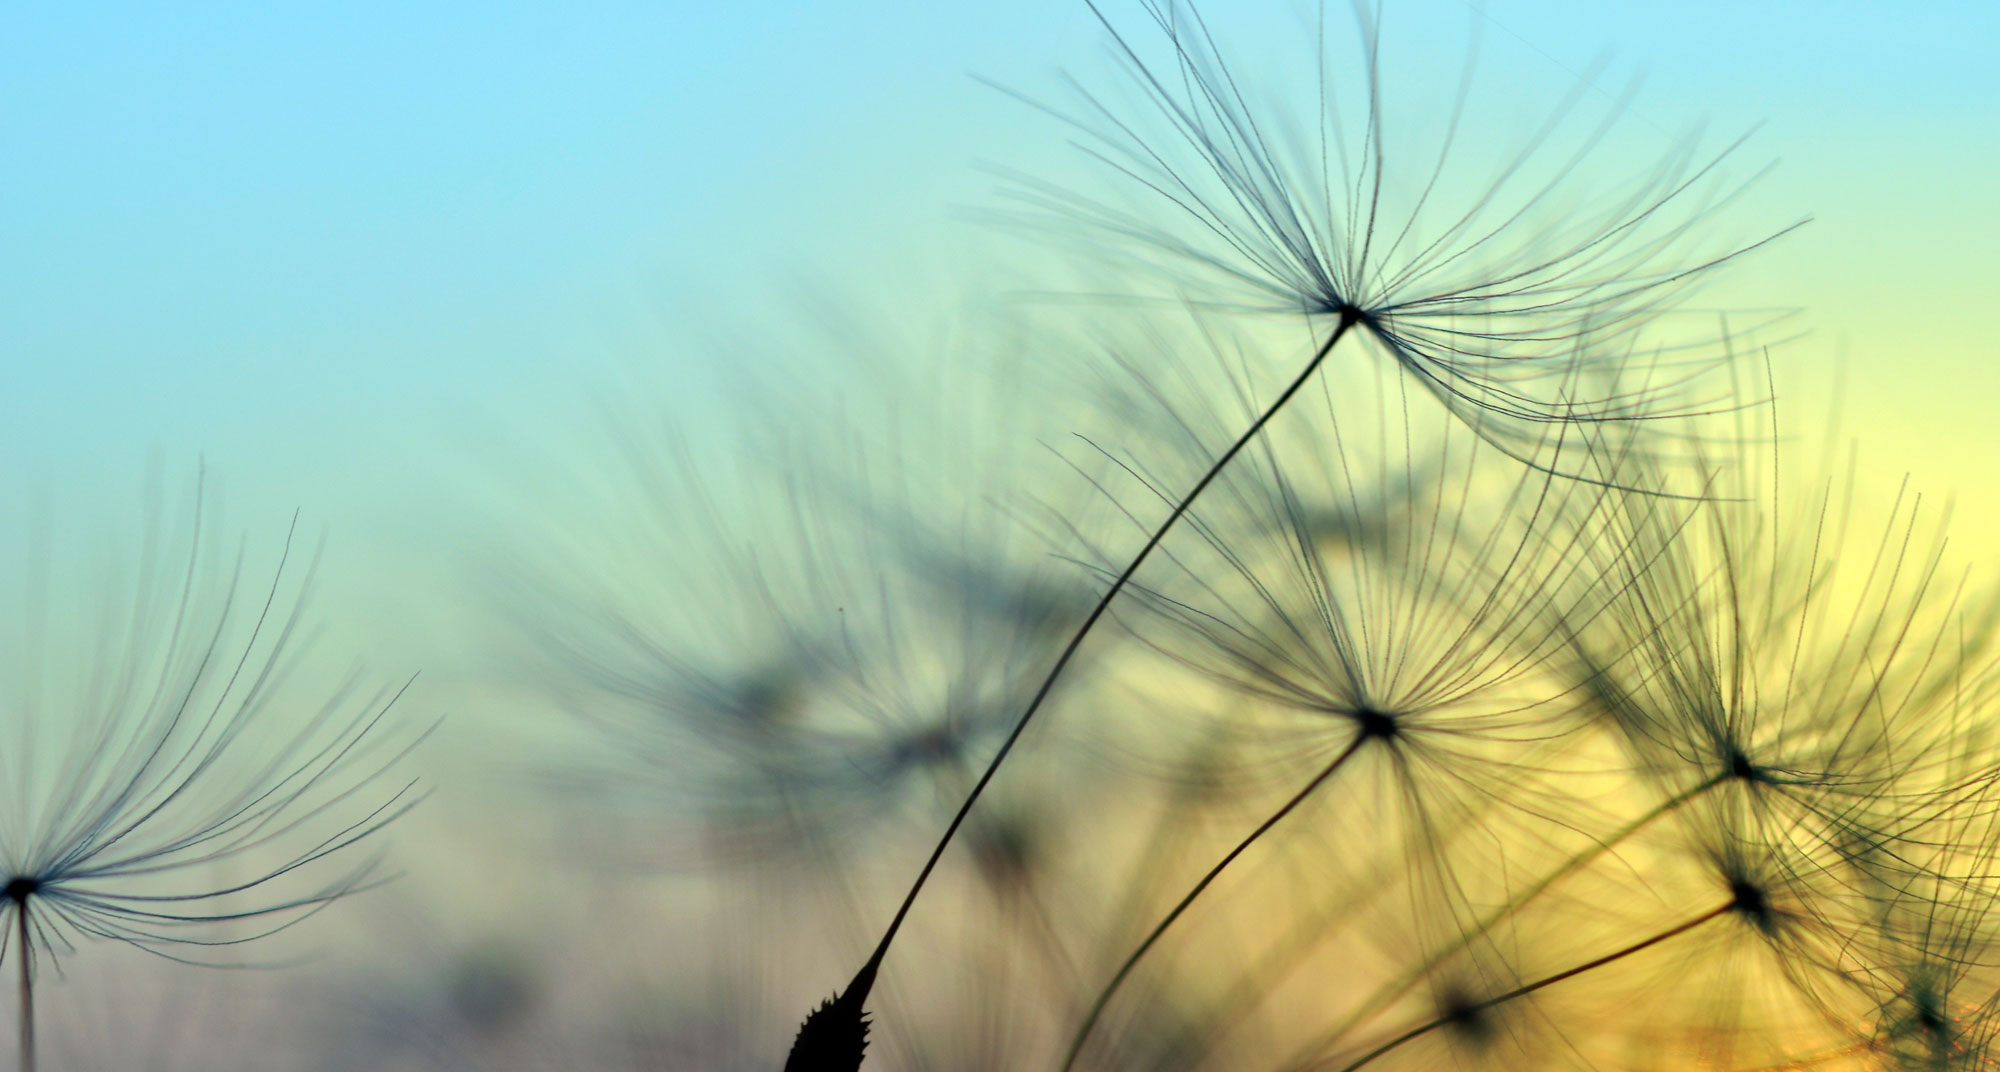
(1742, 769)
(490, 991)
(834, 1036)
(18, 890)
(934, 746)
(1465, 1018)
(765, 702)
(1930, 1019)
(1750, 902)
(1375, 724)
(1005, 849)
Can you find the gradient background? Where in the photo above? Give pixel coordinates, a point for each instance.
(386, 263)
(333, 247)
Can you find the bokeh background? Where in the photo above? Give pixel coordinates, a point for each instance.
(393, 265)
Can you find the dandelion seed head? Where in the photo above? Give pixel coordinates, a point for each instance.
(1747, 899)
(928, 746)
(1375, 724)
(1009, 846)
(834, 677)
(186, 745)
(1470, 1021)
(1742, 770)
(1294, 189)
(1929, 1015)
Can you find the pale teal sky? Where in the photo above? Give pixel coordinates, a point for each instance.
(338, 249)
(386, 262)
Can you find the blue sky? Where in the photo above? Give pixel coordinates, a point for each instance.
(391, 264)
(340, 250)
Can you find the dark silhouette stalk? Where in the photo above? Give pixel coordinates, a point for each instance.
(1348, 318)
(850, 999)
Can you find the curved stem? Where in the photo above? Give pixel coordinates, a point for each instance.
(1348, 319)
(1285, 957)
(1569, 867)
(1117, 980)
(1547, 981)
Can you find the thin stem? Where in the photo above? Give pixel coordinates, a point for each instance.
(27, 987)
(1459, 1015)
(1348, 318)
(1287, 956)
(1104, 996)
(1574, 864)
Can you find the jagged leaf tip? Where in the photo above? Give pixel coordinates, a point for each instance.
(833, 1036)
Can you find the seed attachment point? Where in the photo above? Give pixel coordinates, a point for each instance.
(1749, 901)
(1741, 769)
(1375, 723)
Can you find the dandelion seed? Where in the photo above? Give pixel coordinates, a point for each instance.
(1418, 652)
(1806, 681)
(864, 691)
(1491, 296)
(176, 799)
(1494, 321)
